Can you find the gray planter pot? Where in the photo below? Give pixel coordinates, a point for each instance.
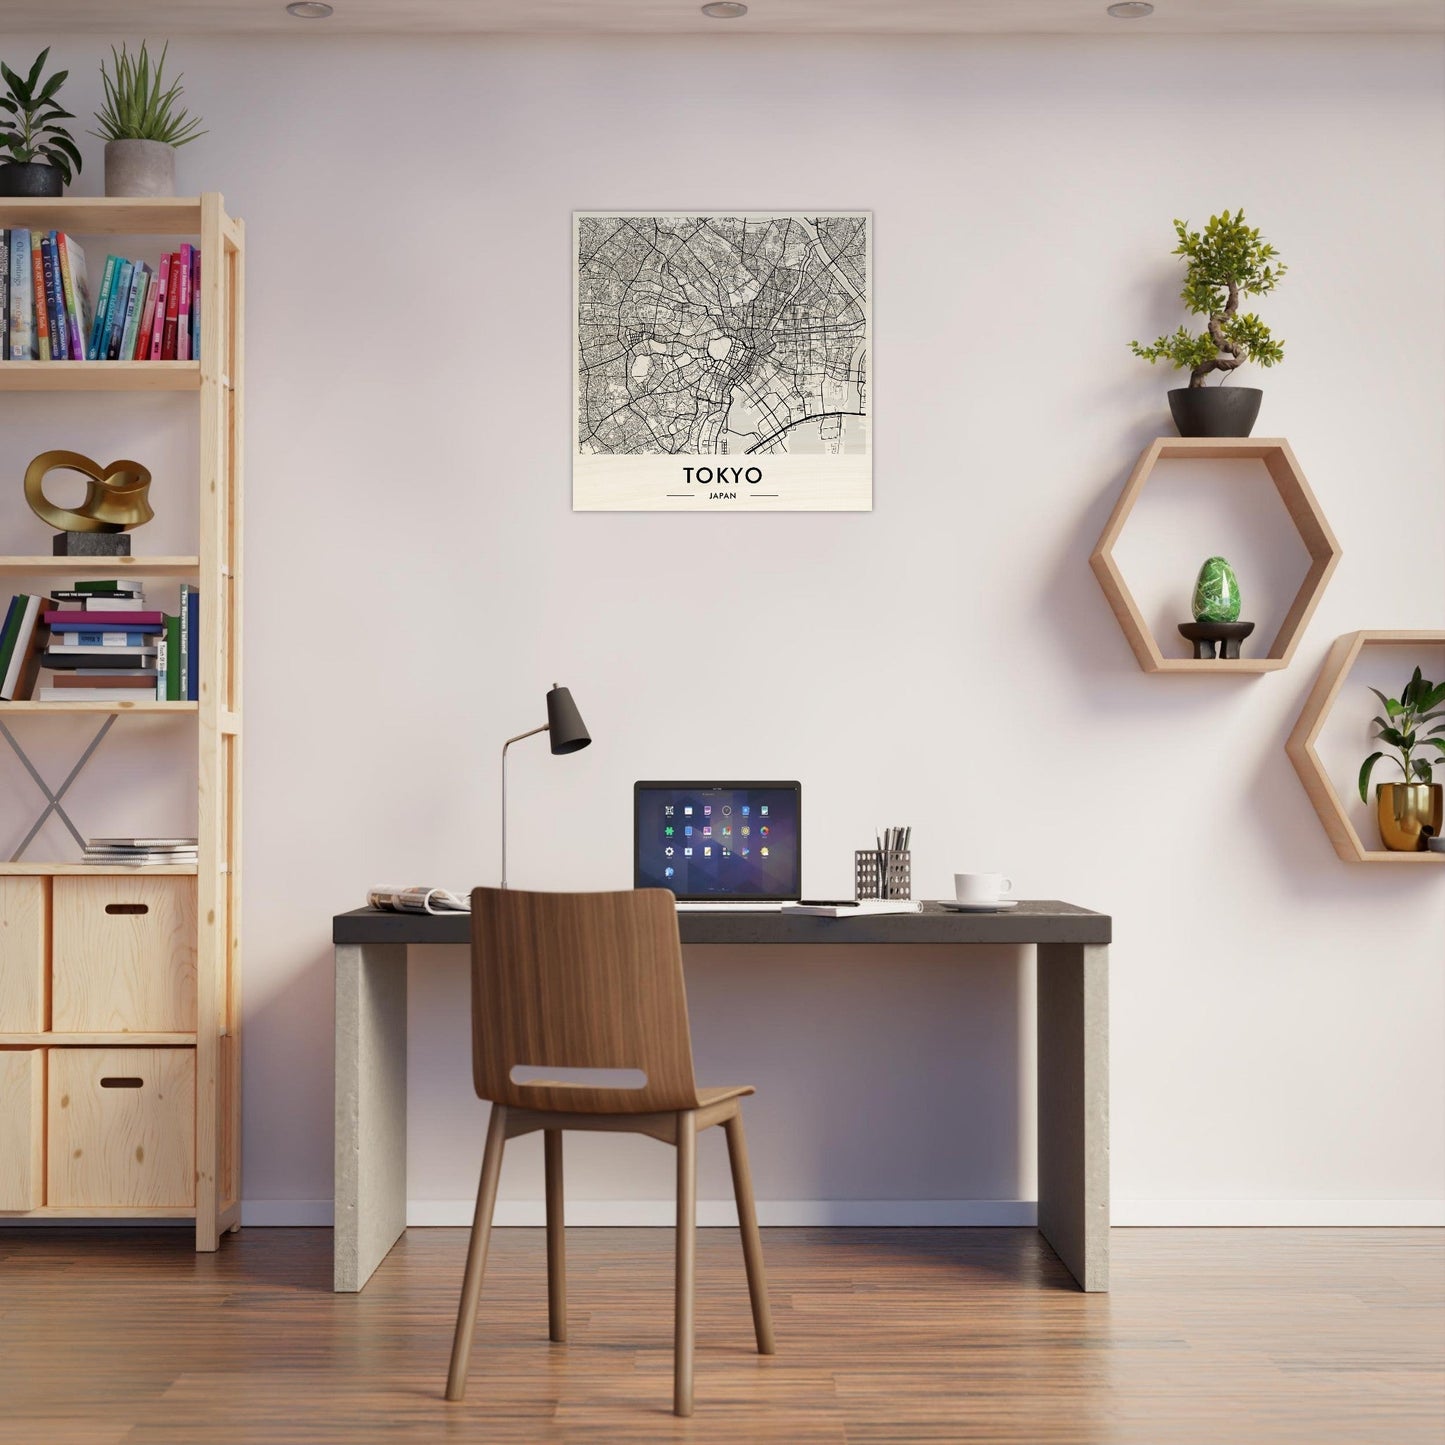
(140, 168)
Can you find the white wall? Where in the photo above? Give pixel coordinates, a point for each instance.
(417, 579)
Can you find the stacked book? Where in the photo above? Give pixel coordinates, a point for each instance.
(141, 312)
(140, 852)
(102, 644)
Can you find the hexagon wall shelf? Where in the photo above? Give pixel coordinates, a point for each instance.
(1301, 747)
(1304, 511)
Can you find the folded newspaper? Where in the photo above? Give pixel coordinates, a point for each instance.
(418, 900)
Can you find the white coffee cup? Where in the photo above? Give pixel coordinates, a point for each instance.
(980, 887)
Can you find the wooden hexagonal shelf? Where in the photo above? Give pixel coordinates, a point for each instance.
(1304, 511)
(1301, 747)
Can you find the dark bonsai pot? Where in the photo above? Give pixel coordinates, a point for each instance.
(1215, 411)
(30, 178)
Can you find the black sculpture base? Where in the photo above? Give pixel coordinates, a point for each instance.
(1204, 636)
(91, 544)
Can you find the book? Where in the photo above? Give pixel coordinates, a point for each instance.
(95, 603)
(19, 681)
(54, 302)
(125, 621)
(191, 643)
(13, 614)
(196, 303)
(158, 324)
(867, 908)
(75, 594)
(133, 637)
(63, 659)
(133, 308)
(95, 349)
(38, 292)
(163, 668)
(4, 295)
(120, 298)
(98, 584)
(77, 292)
(22, 312)
(142, 346)
(98, 694)
(183, 307)
(173, 297)
(173, 659)
(151, 844)
(419, 899)
(107, 677)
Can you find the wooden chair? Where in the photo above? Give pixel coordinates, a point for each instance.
(594, 981)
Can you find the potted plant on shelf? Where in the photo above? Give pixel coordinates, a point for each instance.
(1409, 812)
(40, 158)
(141, 125)
(1224, 263)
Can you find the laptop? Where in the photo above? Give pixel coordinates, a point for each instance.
(720, 845)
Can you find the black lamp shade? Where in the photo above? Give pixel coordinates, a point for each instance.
(565, 729)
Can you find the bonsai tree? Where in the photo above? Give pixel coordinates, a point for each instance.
(1225, 262)
(1420, 702)
(28, 114)
(137, 107)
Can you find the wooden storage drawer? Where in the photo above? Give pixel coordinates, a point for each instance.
(122, 1127)
(24, 945)
(22, 1128)
(123, 955)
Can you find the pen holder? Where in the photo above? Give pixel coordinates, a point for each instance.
(881, 874)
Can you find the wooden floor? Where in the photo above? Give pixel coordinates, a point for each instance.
(1218, 1336)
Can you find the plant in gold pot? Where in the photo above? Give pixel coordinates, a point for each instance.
(141, 124)
(1410, 811)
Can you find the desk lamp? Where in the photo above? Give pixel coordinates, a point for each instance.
(568, 734)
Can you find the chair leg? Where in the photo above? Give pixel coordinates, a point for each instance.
(556, 1238)
(748, 1228)
(686, 1285)
(477, 1253)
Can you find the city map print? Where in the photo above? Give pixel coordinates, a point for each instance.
(723, 362)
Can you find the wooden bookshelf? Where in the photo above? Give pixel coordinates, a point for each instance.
(1284, 473)
(99, 375)
(41, 899)
(1300, 746)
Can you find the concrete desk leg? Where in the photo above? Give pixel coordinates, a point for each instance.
(1073, 993)
(370, 1108)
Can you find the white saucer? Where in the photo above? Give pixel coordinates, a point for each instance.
(999, 907)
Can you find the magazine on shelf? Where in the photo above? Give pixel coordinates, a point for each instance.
(418, 900)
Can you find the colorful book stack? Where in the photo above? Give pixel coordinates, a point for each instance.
(138, 852)
(104, 645)
(141, 313)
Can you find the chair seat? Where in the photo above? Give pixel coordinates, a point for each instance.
(721, 1094)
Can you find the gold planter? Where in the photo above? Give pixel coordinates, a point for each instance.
(1409, 813)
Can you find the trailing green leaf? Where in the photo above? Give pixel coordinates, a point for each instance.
(138, 105)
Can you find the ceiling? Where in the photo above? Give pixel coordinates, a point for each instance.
(682, 17)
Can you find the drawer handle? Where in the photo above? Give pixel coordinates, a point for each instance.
(127, 908)
(123, 1081)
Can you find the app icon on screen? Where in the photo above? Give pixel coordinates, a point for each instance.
(707, 810)
(687, 830)
(668, 850)
(669, 872)
(727, 832)
(726, 853)
(669, 830)
(667, 810)
(746, 810)
(743, 851)
(763, 810)
(707, 852)
(763, 831)
(763, 851)
(687, 810)
(707, 832)
(746, 830)
(687, 852)
(727, 809)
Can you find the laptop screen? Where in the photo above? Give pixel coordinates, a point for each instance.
(723, 841)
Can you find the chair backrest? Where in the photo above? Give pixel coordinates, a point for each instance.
(580, 981)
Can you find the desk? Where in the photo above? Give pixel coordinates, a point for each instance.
(1073, 1056)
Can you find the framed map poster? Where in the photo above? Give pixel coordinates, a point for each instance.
(722, 362)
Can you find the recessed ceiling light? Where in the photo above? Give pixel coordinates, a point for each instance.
(1131, 9)
(725, 10)
(309, 9)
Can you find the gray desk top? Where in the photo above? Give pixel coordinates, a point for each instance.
(1033, 921)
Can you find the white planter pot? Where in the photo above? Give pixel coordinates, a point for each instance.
(140, 168)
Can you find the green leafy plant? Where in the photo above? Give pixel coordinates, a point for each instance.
(1420, 702)
(138, 106)
(1225, 262)
(28, 114)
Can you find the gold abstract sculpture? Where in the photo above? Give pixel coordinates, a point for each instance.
(115, 496)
